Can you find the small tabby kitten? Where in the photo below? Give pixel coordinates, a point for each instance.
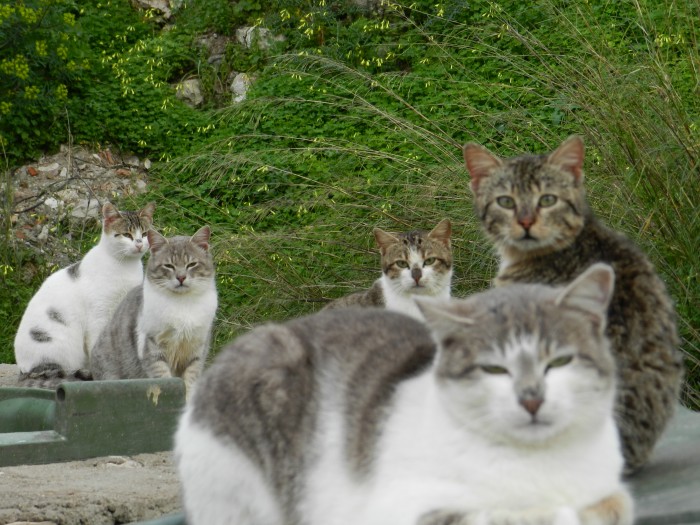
(414, 264)
(497, 410)
(534, 209)
(163, 328)
(66, 315)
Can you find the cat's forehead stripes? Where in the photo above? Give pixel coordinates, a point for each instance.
(525, 173)
(527, 348)
(413, 238)
(131, 222)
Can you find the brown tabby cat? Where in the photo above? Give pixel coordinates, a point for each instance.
(534, 209)
(417, 263)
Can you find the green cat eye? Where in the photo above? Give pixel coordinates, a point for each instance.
(494, 369)
(506, 202)
(401, 264)
(429, 261)
(547, 200)
(560, 361)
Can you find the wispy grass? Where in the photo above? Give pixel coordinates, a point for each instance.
(325, 151)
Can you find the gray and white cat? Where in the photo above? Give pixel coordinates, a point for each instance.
(534, 209)
(66, 315)
(497, 410)
(163, 328)
(414, 264)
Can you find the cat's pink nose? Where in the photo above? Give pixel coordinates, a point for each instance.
(532, 405)
(526, 222)
(181, 278)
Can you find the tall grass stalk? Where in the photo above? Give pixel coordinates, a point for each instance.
(295, 212)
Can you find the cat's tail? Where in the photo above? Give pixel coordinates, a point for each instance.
(50, 375)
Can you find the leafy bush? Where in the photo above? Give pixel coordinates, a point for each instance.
(43, 59)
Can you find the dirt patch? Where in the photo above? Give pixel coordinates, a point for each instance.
(107, 490)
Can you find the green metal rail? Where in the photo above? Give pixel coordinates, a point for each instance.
(88, 419)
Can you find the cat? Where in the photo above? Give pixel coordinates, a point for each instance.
(496, 410)
(534, 209)
(163, 327)
(414, 264)
(66, 315)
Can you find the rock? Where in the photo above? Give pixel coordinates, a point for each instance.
(64, 173)
(86, 209)
(51, 203)
(190, 92)
(256, 36)
(239, 87)
(50, 167)
(32, 171)
(159, 5)
(43, 234)
(147, 164)
(132, 160)
(216, 46)
(68, 195)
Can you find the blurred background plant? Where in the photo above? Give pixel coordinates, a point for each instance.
(356, 119)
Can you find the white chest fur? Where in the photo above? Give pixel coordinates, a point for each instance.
(178, 322)
(398, 297)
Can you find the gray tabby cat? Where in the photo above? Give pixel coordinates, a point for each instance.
(163, 327)
(534, 209)
(414, 264)
(66, 315)
(498, 412)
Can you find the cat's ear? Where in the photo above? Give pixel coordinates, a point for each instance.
(201, 238)
(442, 232)
(590, 292)
(147, 211)
(569, 157)
(384, 239)
(442, 315)
(155, 241)
(480, 162)
(109, 214)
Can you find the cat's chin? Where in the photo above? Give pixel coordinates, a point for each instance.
(533, 433)
(179, 288)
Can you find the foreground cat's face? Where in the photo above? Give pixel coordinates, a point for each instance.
(529, 203)
(126, 230)
(180, 264)
(417, 262)
(526, 363)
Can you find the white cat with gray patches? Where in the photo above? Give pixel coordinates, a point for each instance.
(417, 263)
(66, 315)
(163, 328)
(498, 410)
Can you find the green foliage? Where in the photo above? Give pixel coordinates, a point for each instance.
(43, 59)
(358, 121)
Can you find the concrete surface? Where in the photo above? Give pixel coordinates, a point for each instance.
(99, 491)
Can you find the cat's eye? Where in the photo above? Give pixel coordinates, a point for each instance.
(506, 202)
(560, 361)
(401, 264)
(191, 265)
(128, 236)
(494, 369)
(547, 200)
(169, 267)
(429, 261)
